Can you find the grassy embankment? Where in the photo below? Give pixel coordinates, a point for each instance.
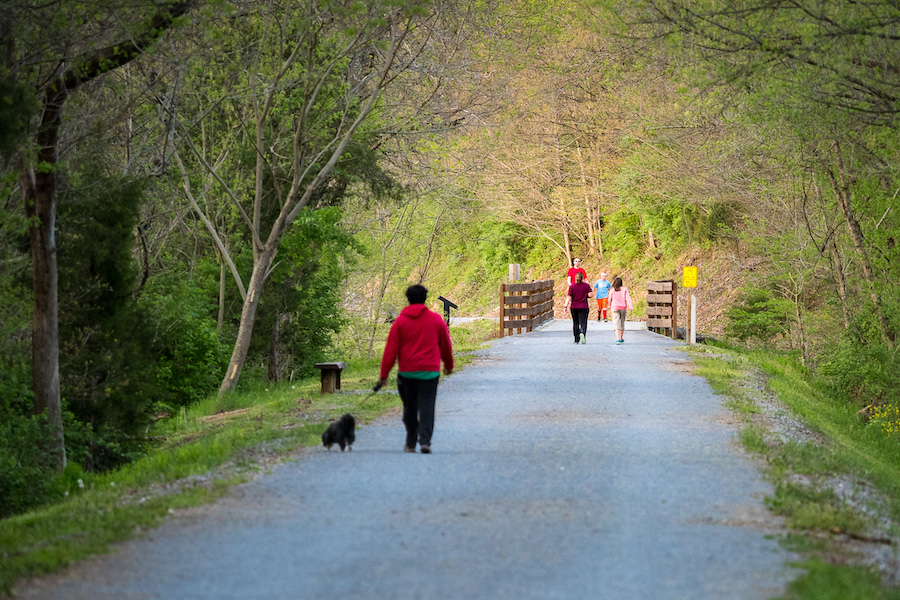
(203, 451)
(843, 448)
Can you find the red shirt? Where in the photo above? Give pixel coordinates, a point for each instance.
(573, 271)
(418, 341)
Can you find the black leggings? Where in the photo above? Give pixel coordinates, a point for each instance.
(418, 396)
(579, 322)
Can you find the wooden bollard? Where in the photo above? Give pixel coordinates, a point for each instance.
(331, 375)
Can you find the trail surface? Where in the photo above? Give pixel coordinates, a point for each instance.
(559, 470)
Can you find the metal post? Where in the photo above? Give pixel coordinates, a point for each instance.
(693, 337)
(447, 306)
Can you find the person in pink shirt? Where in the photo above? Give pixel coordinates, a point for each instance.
(619, 304)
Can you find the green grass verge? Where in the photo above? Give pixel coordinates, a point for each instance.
(204, 450)
(849, 449)
(824, 581)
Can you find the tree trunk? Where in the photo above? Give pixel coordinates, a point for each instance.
(220, 319)
(599, 229)
(837, 264)
(841, 282)
(39, 193)
(592, 249)
(798, 314)
(842, 191)
(248, 317)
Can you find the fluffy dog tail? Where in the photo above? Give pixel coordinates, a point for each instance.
(349, 424)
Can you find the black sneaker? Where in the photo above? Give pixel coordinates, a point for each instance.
(425, 449)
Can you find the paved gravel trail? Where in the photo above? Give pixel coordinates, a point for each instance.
(559, 470)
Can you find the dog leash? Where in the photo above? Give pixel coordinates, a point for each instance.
(370, 395)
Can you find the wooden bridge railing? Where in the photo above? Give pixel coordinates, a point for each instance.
(662, 307)
(525, 305)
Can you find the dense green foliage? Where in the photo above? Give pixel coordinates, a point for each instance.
(794, 115)
(16, 107)
(305, 297)
(147, 309)
(15, 309)
(26, 473)
(759, 316)
(106, 334)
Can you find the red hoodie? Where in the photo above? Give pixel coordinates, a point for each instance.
(418, 341)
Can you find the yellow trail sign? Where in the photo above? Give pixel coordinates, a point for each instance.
(689, 277)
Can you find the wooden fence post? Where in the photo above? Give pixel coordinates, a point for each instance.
(525, 305)
(662, 306)
(502, 309)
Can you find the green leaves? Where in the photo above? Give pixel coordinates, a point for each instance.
(17, 105)
(760, 316)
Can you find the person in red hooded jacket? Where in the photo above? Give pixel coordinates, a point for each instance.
(418, 342)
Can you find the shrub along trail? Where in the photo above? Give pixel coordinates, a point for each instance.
(559, 470)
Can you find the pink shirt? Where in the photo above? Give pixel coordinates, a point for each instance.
(620, 300)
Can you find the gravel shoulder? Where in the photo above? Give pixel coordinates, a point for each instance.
(560, 470)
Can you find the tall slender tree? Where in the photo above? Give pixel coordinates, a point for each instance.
(302, 80)
(57, 48)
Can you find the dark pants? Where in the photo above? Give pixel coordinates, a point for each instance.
(579, 322)
(418, 396)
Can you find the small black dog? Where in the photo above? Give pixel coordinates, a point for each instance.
(340, 432)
